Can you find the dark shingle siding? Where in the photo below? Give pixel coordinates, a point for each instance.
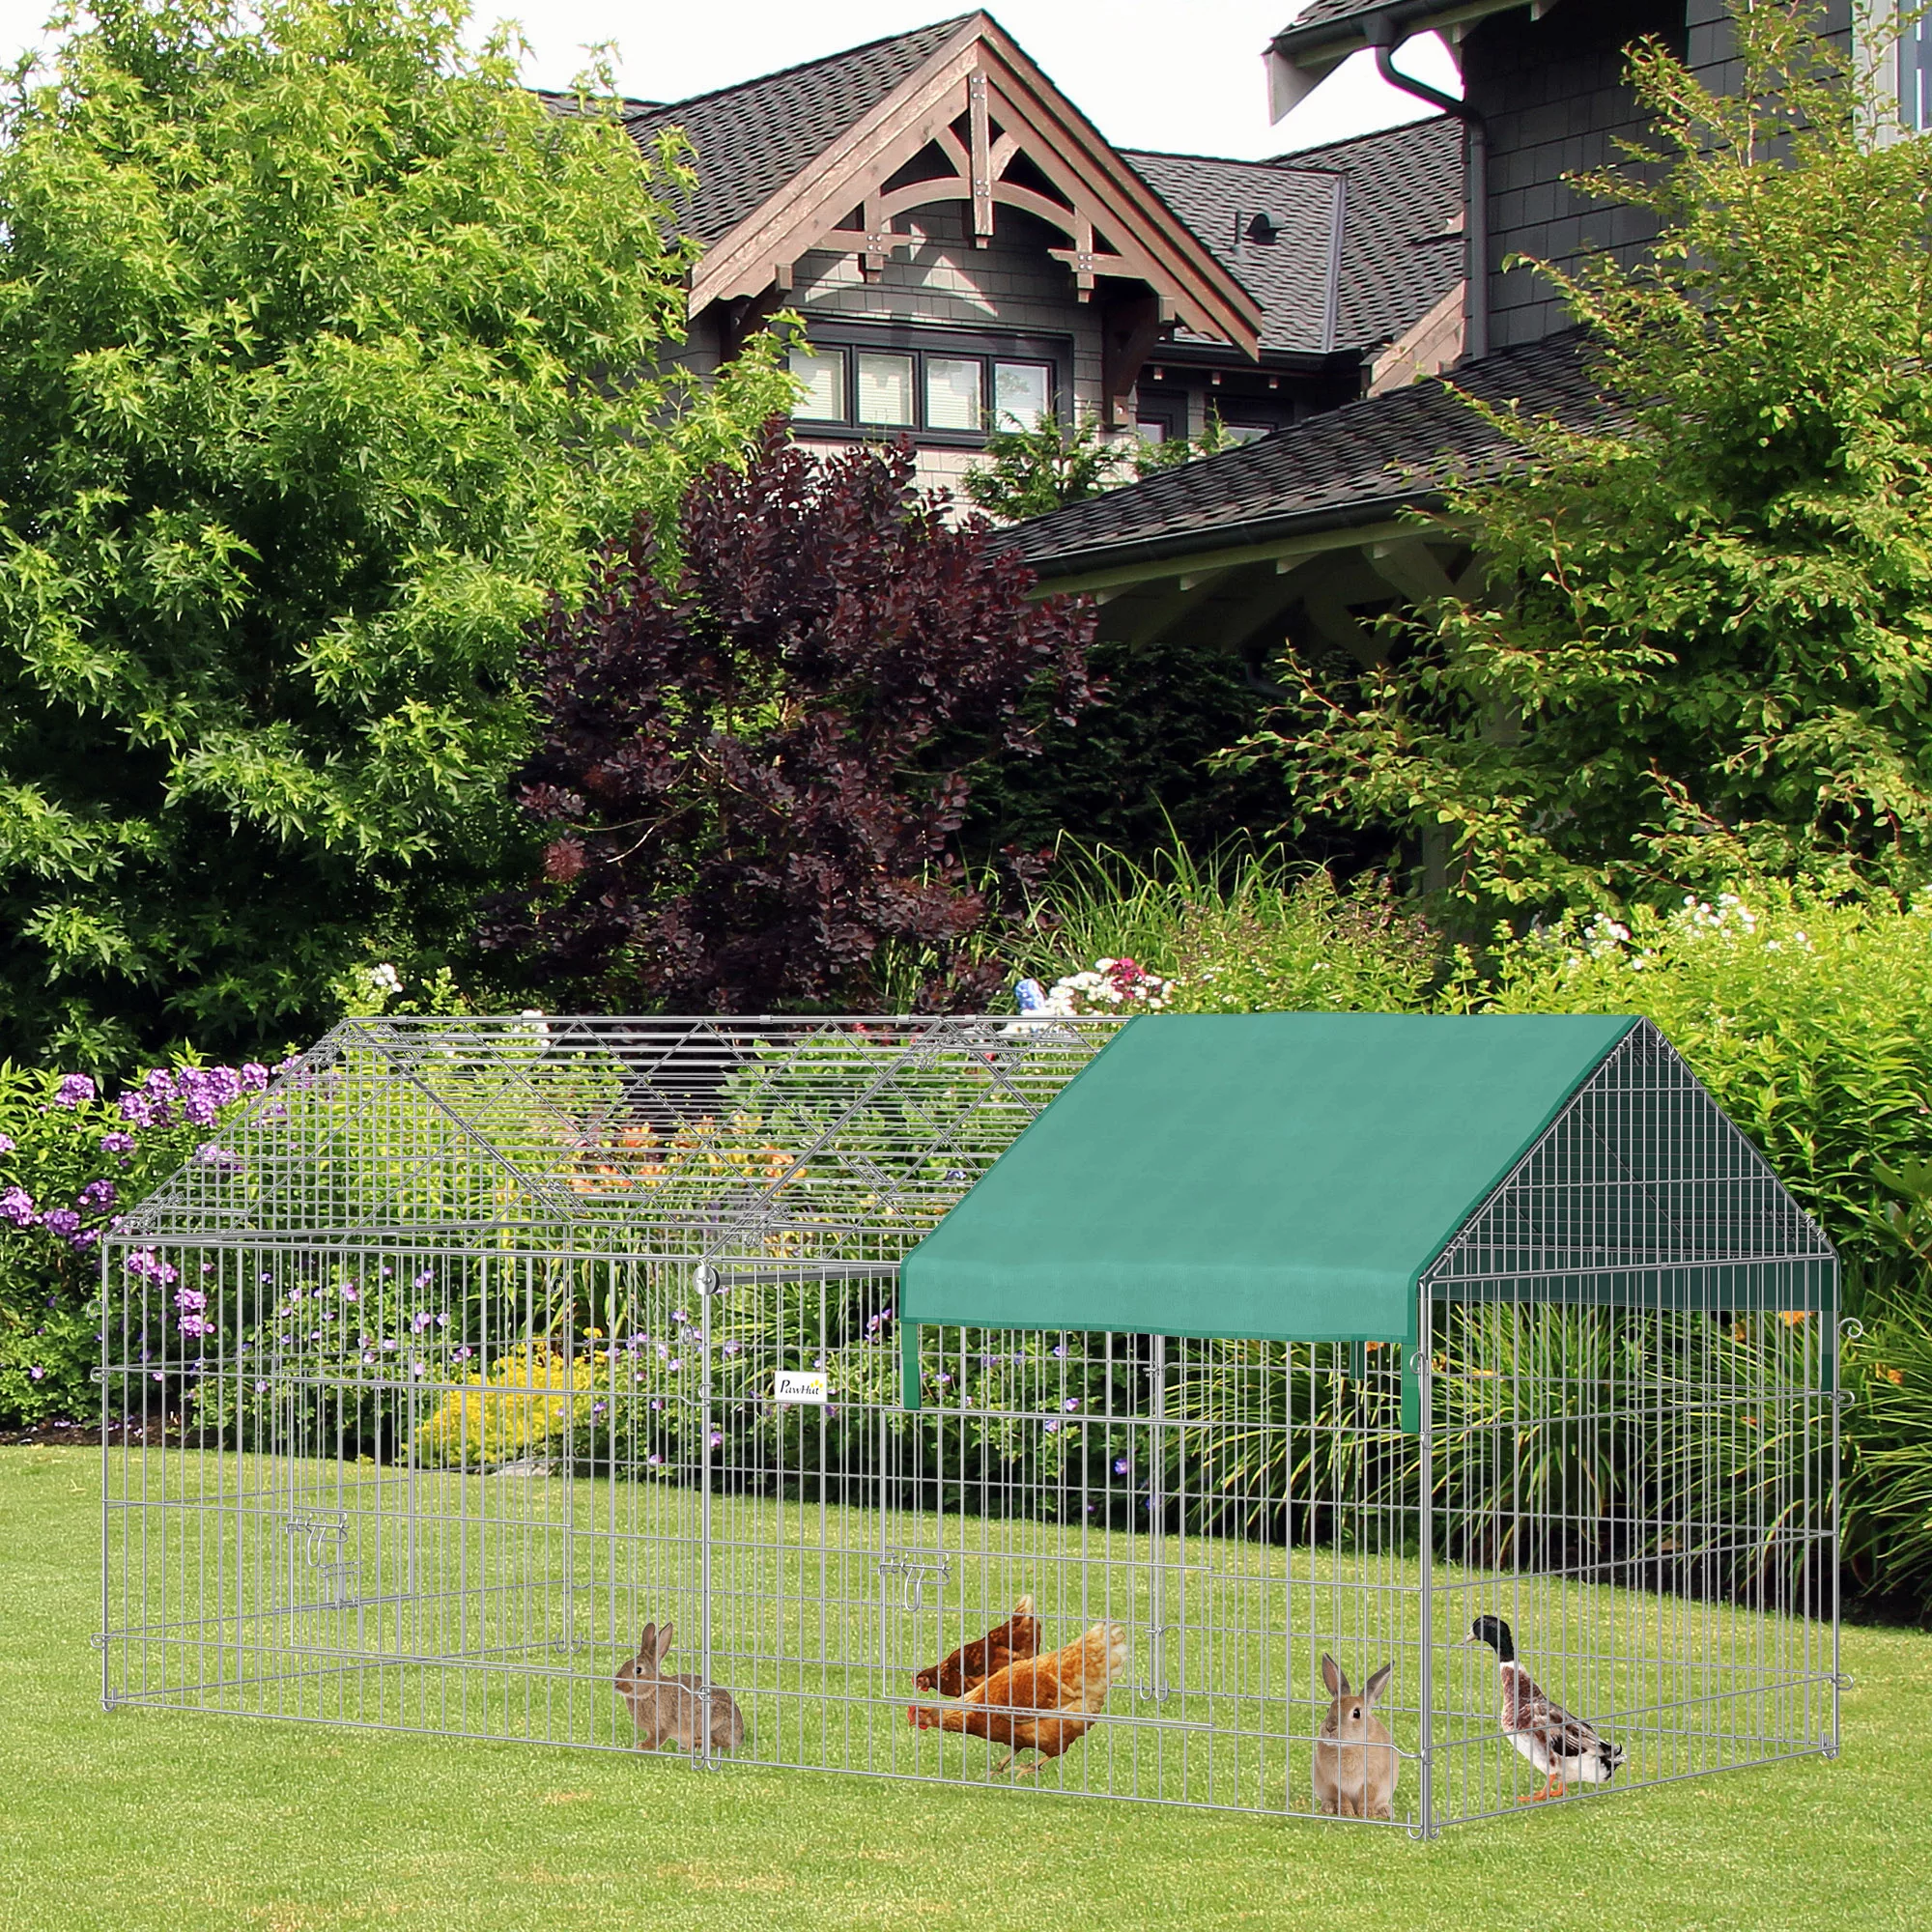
(1355, 464)
(754, 138)
(1553, 95)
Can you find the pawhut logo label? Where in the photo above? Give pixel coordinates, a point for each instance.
(799, 1386)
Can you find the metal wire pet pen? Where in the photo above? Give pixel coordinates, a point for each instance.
(555, 1381)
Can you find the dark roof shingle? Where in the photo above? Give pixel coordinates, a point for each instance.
(1401, 253)
(752, 138)
(1290, 277)
(1402, 245)
(1357, 464)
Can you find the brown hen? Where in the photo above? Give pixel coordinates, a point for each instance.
(1014, 1640)
(1023, 1705)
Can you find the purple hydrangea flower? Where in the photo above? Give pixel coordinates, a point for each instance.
(61, 1221)
(8, 1144)
(96, 1198)
(117, 1142)
(74, 1090)
(254, 1075)
(1120, 1465)
(17, 1205)
(1071, 1402)
(421, 1320)
(37, 1372)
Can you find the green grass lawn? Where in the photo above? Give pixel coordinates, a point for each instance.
(151, 1818)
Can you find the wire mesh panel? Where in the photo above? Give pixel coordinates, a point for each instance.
(540, 1380)
(1632, 1455)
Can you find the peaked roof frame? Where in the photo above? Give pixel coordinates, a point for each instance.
(1114, 224)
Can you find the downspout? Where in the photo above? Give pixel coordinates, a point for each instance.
(1379, 33)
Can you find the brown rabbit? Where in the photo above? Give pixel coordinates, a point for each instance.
(1355, 1762)
(667, 1707)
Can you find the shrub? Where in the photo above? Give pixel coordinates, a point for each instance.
(1887, 1453)
(326, 350)
(755, 768)
(70, 1162)
(1243, 931)
(1808, 1018)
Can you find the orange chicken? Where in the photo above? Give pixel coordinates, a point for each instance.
(1041, 1704)
(1015, 1639)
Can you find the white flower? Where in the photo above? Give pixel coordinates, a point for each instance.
(386, 978)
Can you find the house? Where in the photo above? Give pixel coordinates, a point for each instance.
(967, 251)
(1306, 535)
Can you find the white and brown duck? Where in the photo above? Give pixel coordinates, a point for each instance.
(1564, 1749)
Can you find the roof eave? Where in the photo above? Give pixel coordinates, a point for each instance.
(1260, 533)
(1299, 59)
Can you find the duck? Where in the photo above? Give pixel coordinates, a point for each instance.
(1564, 1749)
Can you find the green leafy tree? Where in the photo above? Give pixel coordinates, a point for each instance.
(1030, 471)
(1706, 651)
(325, 356)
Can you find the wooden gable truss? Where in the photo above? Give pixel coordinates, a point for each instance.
(991, 120)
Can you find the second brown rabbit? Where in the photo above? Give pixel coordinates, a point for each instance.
(1355, 1761)
(668, 1708)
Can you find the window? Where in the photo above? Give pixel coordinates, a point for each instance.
(952, 385)
(946, 386)
(824, 380)
(1239, 433)
(884, 389)
(1022, 393)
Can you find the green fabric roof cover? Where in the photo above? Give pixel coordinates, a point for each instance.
(1277, 1175)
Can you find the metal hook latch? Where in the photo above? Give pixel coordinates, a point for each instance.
(912, 1567)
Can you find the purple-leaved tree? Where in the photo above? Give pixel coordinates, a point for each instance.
(756, 762)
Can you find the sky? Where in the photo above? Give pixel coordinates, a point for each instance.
(1184, 76)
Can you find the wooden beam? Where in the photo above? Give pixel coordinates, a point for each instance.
(1276, 593)
(1192, 590)
(979, 130)
(1130, 325)
(1341, 627)
(1408, 565)
(1066, 145)
(1080, 258)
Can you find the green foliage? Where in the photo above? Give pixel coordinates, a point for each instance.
(1243, 930)
(1031, 472)
(70, 1162)
(1888, 1451)
(323, 353)
(1138, 769)
(1808, 1018)
(1706, 647)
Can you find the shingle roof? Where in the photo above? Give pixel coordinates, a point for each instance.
(1402, 247)
(1356, 465)
(1324, 21)
(1399, 257)
(752, 138)
(1319, 13)
(1290, 276)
